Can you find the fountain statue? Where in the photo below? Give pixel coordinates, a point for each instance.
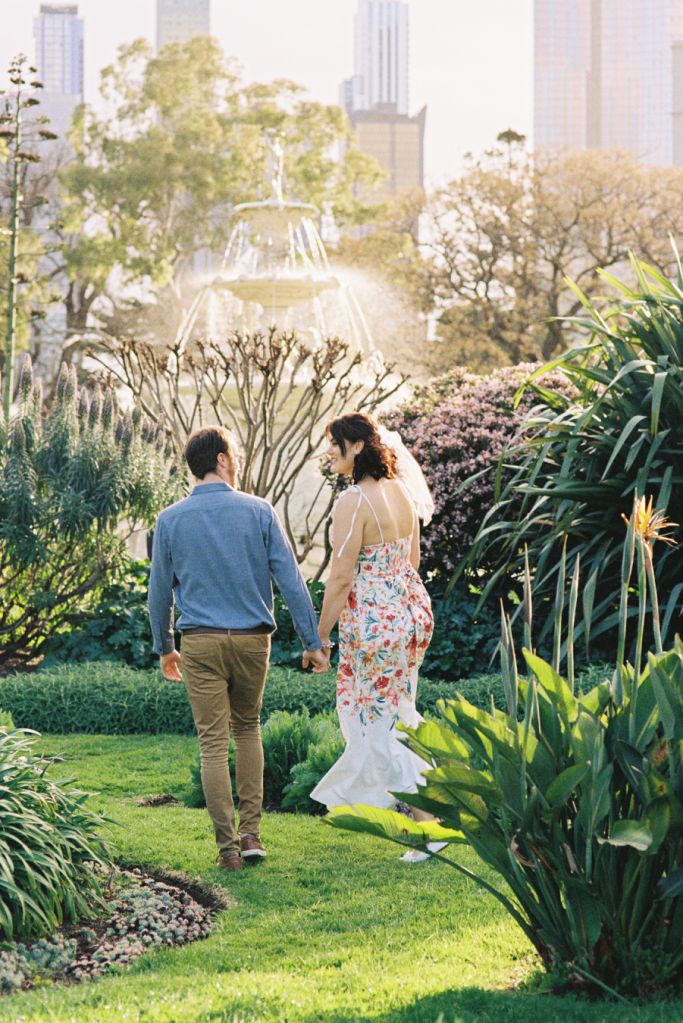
(275, 271)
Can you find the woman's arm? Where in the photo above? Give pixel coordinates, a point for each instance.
(415, 544)
(347, 528)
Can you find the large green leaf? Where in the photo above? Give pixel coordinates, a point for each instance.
(584, 912)
(671, 886)
(427, 798)
(548, 730)
(395, 827)
(664, 695)
(554, 685)
(596, 700)
(431, 739)
(461, 796)
(485, 730)
(584, 734)
(657, 819)
(562, 787)
(634, 766)
(627, 832)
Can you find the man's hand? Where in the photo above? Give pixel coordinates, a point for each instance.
(170, 665)
(319, 660)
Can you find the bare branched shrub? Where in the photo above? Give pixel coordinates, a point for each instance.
(274, 391)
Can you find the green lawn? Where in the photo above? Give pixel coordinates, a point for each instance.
(331, 928)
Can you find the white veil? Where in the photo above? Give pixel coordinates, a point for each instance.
(411, 474)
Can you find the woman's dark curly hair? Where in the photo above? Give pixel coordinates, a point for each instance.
(376, 459)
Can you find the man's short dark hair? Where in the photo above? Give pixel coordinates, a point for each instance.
(203, 448)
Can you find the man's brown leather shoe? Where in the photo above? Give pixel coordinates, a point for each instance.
(233, 862)
(253, 849)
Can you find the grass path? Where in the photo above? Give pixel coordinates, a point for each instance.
(331, 928)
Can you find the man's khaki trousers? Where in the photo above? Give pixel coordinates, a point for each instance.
(225, 675)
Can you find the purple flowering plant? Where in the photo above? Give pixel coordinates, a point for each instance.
(457, 427)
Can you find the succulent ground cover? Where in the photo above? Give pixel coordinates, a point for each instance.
(139, 912)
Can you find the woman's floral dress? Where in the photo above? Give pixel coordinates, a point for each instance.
(384, 631)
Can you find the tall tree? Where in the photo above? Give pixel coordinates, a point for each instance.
(498, 243)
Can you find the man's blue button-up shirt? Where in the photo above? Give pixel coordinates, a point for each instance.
(217, 551)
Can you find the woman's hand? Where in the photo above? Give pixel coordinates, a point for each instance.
(319, 660)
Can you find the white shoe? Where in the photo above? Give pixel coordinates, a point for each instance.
(419, 856)
(414, 856)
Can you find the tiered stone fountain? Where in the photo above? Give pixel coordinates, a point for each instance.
(275, 271)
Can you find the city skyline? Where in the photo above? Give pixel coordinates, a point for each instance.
(606, 75)
(476, 82)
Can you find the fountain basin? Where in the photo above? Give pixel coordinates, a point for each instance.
(273, 217)
(277, 292)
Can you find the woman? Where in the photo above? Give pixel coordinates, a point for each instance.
(385, 621)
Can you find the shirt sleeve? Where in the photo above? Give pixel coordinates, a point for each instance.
(160, 596)
(290, 582)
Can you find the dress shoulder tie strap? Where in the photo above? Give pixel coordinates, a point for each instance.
(370, 506)
(361, 497)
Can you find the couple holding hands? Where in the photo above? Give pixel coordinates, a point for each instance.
(217, 552)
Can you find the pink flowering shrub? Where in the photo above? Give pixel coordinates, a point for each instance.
(457, 427)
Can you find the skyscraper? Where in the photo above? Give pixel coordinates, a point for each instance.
(58, 34)
(677, 65)
(562, 61)
(604, 75)
(180, 20)
(397, 143)
(376, 95)
(381, 57)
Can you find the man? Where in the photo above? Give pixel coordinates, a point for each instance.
(217, 550)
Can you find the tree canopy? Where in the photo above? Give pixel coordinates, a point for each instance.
(497, 244)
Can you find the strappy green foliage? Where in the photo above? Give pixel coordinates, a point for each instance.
(72, 476)
(48, 845)
(574, 799)
(582, 459)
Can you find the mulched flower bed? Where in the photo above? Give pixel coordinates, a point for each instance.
(141, 911)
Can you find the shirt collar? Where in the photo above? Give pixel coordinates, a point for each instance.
(210, 488)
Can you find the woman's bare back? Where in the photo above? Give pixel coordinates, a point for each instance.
(394, 515)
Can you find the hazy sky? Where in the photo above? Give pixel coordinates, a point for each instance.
(471, 63)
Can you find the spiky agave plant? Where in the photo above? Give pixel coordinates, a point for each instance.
(574, 799)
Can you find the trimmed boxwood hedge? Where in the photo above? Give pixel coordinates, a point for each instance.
(108, 698)
(102, 698)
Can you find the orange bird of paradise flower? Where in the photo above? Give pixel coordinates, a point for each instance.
(650, 525)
